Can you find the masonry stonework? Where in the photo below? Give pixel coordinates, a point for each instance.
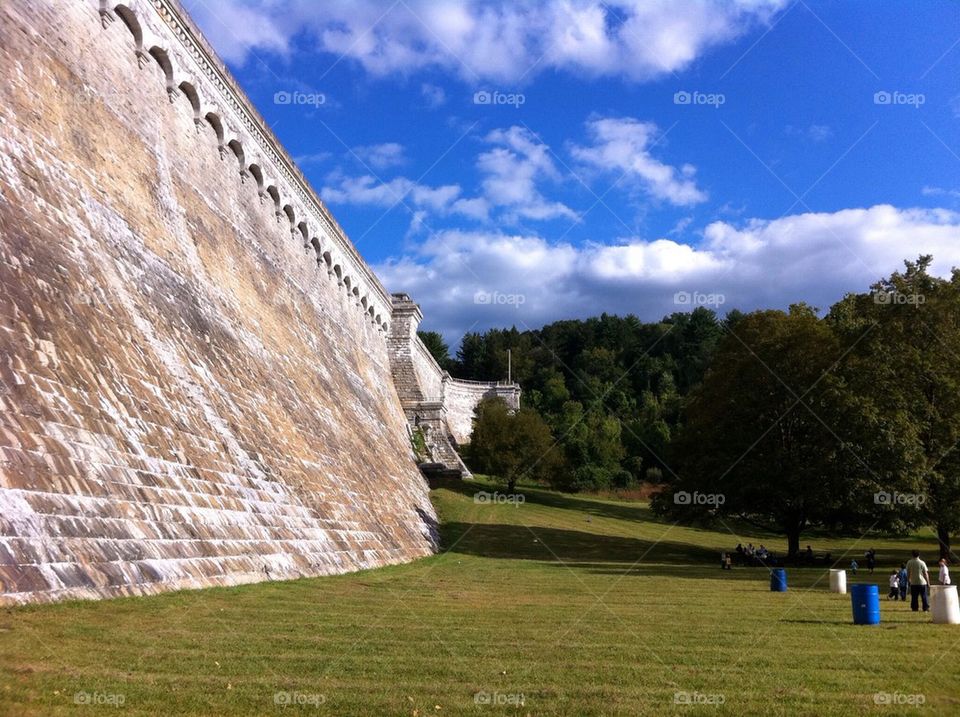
(195, 381)
(443, 406)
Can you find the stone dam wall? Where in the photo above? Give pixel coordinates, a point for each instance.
(195, 381)
(432, 399)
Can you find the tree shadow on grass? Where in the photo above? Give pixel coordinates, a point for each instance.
(634, 512)
(494, 540)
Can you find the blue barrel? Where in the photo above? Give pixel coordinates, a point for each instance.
(866, 604)
(778, 580)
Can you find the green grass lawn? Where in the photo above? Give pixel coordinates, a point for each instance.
(572, 605)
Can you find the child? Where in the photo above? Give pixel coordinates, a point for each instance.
(944, 575)
(894, 585)
(854, 566)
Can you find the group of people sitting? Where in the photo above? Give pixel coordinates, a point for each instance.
(747, 556)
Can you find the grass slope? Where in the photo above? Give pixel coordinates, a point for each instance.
(582, 606)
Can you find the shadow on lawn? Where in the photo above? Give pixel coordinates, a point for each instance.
(494, 540)
(538, 496)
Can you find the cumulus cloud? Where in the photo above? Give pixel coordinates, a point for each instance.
(623, 146)
(433, 94)
(367, 190)
(466, 279)
(512, 170)
(484, 39)
(381, 156)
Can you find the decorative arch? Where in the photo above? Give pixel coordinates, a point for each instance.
(163, 59)
(363, 303)
(291, 216)
(237, 149)
(190, 92)
(328, 260)
(214, 119)
(274, 194)
(129, 18)
(257, 174)
(318, 250)
(338, 272)
(304, 234)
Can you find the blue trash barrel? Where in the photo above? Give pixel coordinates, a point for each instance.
(778, 580)
(866, 604)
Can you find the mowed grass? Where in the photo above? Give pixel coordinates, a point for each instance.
(570, 605)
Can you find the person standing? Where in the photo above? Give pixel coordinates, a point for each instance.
(894, 586)
(944, 576)
(871, 556)
(904, 582)
(919, 578)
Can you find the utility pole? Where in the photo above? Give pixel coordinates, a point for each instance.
(509, 366)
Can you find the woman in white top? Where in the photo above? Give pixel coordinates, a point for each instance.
(944, 572)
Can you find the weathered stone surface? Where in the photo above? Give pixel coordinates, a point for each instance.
(443, 406)
(195, 386)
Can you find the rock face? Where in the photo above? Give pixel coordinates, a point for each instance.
(195, 385)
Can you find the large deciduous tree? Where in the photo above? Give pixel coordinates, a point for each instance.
(512, 444)
(910, 366)
(761, 437)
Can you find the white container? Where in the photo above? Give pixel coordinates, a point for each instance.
(838, 581)
(944, 605)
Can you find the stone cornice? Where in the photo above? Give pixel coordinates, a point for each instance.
(219, 78)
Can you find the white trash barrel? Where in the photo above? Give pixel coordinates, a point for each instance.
(944, 604)
(838, 581)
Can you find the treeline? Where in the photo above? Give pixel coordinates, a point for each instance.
(848, 421)
(609, 389)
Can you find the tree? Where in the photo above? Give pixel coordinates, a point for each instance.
(760, 440)
(437, 347)
(512, 445)
(909, 363)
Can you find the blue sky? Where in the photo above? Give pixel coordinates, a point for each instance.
(515, 163)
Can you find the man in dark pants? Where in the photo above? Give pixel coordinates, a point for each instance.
(919, 579)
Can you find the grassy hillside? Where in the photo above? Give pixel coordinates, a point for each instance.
(570, 605)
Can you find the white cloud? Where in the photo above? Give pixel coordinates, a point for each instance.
(814, 133)
(815, 257)
(511, 172)
(433, 94)
(929, 191)
(623, 146)
(498, 40)
(381, 156)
